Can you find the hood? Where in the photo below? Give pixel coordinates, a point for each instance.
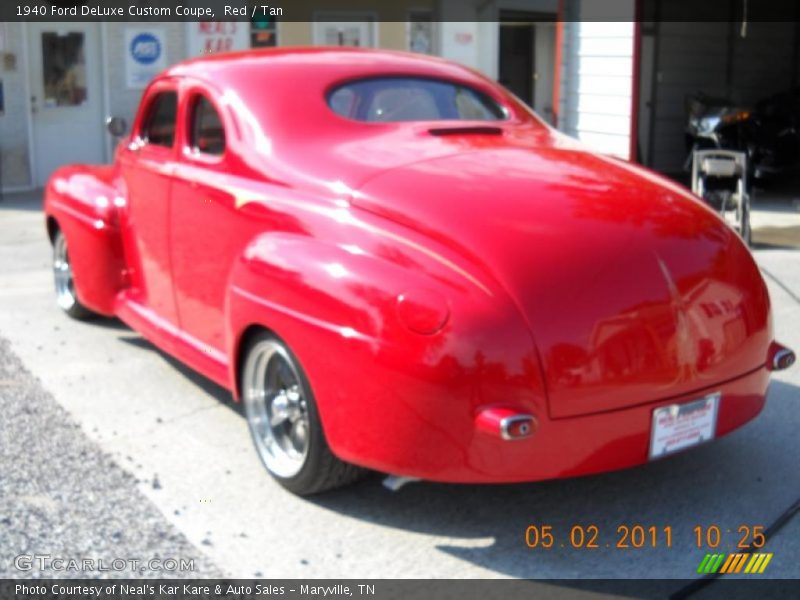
(633, 290)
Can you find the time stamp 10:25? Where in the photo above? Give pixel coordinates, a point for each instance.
(637, 536)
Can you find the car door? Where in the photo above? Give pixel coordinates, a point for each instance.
(205, 236)
(146, 166)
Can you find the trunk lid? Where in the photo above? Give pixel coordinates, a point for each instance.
(633, 290)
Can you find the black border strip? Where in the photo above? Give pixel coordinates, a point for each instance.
(750, 11)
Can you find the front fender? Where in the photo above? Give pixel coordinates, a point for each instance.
(83, 202)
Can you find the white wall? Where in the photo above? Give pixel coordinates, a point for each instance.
(545, 40)
(459, 33)
(122, 101)
(597, 75)
(489, 45)
(119, 100)
(14, 121)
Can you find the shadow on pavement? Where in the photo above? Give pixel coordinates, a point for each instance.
(707, 485)
(747, 477)
(218, 392)
(111, 323)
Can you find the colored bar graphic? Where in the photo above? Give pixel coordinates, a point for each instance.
(718, 564)
(741, 563)
(702, 567)
(738, 563)
(756, 558)
(767, 558)
(731, 559)
(734, 562)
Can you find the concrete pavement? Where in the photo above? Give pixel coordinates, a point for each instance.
(62, 498)
(188, 446)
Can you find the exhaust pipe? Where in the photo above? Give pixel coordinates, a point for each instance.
(506, 423)
(393, 483)
(780, 357)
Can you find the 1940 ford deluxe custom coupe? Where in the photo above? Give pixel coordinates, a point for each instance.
(396, 265)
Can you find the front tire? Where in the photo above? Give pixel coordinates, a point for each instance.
(66, 297)
(284, 422)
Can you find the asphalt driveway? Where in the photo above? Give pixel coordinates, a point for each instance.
(187, 454)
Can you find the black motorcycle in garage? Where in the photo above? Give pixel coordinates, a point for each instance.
(768, 133)
(730, 147)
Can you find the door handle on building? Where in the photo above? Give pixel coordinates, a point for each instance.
(34, 107)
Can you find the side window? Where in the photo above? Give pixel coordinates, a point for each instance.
(207, 132)
(159, 128)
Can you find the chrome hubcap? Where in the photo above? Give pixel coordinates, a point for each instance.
(62, 272)
(276, 408)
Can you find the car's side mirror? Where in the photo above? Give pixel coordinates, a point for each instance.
(116, 126)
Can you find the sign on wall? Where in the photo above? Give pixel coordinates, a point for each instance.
(421, 32)
(213, 37)
(145, 56)
(358, 34)
(263, 31)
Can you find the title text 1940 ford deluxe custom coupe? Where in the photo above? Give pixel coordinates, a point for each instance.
(396, 265)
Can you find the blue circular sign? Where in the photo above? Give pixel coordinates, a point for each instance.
(145, 48)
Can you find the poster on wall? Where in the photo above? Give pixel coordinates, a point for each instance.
(421, 33)
(358, 34)
(145, 56)
(213, 37)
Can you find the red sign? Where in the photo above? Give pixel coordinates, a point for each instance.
(212, 37)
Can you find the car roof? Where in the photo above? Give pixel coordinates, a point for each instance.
(324, 63)
(279, 97)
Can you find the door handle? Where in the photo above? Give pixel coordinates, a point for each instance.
(34, 107)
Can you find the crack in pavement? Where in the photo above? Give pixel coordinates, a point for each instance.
(780, 284)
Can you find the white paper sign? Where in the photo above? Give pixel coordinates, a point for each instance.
(213, 37)
(145, 56)
(680, 426)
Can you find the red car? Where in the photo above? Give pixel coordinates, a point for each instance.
(396, 265)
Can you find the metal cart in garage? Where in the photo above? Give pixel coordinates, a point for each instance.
(720, 178)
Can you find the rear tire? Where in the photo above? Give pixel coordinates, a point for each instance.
(66, 297)
(284, 422)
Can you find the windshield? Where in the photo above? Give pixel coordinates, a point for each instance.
(392, 99)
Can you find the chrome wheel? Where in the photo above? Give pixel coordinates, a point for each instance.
(62, 272)
(276, 408)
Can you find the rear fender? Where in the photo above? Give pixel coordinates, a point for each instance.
(339, 311)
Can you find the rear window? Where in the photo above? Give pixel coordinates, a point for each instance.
(392, 99)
